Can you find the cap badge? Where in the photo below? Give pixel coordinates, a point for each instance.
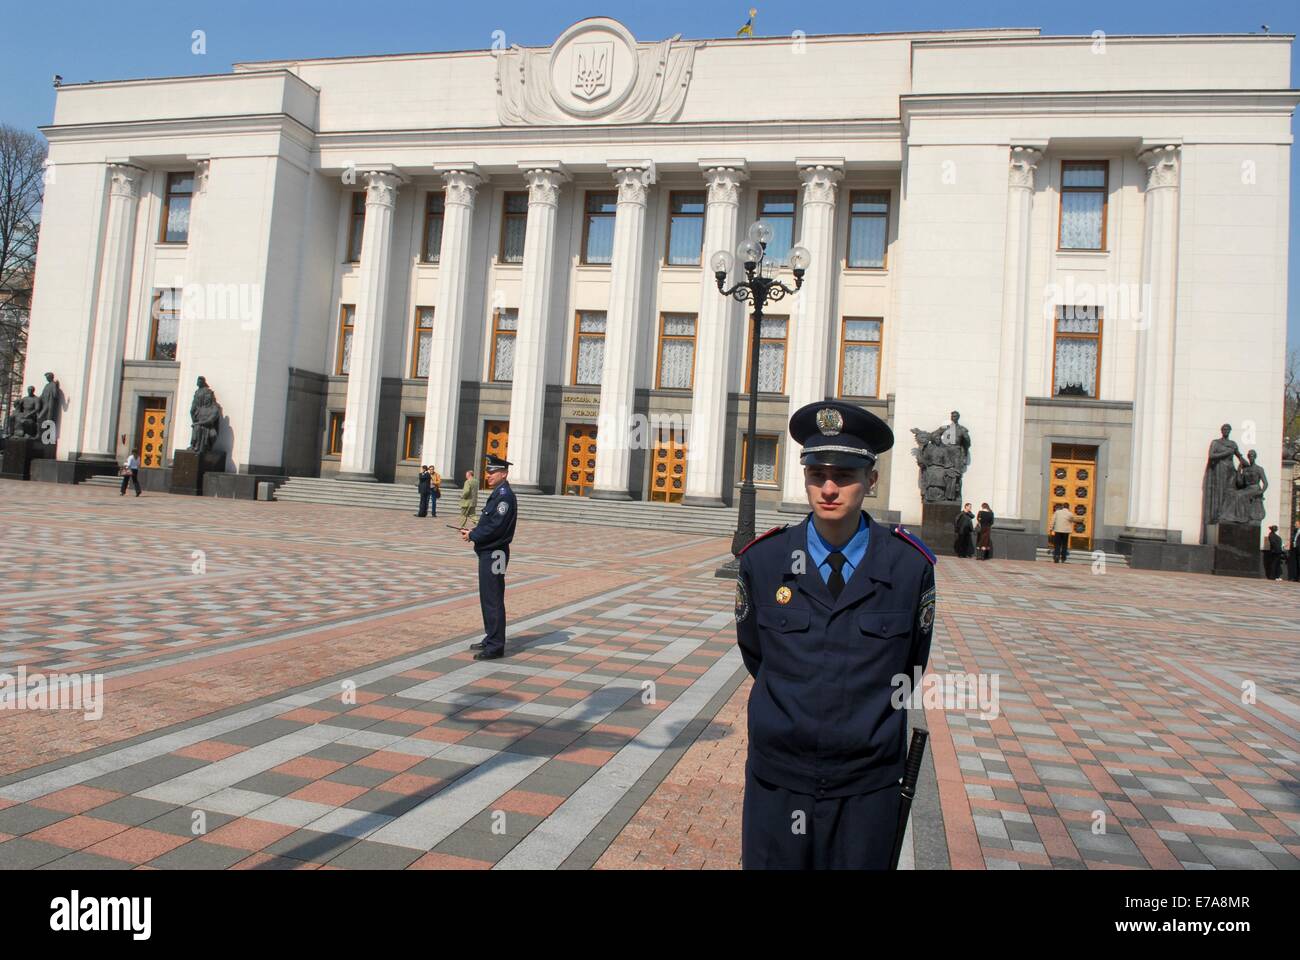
(830, 421)
(783, 595)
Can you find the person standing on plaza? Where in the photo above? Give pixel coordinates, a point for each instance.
(829, 614)
(468, 498)
(491, 537)
(964, 527)
(1273, 558)
(131, 473)
(985, 518)
(1062, 527)
(435, 489)
(1293, 562)
(424, 483)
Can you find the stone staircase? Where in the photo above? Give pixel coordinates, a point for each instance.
(1084, 557)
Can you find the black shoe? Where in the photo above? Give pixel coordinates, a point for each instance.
(484, 655)
(478, 646)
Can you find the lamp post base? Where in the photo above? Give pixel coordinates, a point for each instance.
(729, 570)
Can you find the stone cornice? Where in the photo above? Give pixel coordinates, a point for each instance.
(1099, 102)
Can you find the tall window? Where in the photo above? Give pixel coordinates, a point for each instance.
(1083, 205)
(504, 325)
(868, 228)
(765, 466)
(860, 358)
(175, 226)
(685, 228)
(598, 227)
(413, 442)
(422, 348)
(347, 316)
(1076, 364)
(334, 438)
(434, 207)
(771, 356)
(356, 226)
(777, 208)
(589, 347)
(676, 351)
(514, 221)
(165, 322)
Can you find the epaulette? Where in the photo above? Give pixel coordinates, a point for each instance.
(762, 536)
(908, 537)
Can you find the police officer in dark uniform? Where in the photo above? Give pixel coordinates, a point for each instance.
(832, 617)
(491, 537)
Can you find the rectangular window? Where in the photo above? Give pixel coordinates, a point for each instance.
(1076, 364)
(676, 351)
(685, 228)
(765, 466)
(868, 228)
(413, 444)
(771, 355)
(514, 221)
(598, 227)
(422, 348)
(1083, 205)
(433, 213)
(778, 209)
(589, 347)
(347, 316)
(860, 358)
(335, 437)
(356, 226)
(176, 208)
(165, 323)
(504, 325)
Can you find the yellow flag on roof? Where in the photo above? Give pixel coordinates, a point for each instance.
(748, 29)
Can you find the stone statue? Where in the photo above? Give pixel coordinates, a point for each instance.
(1220, 478)
(49, 412)
(205, 418)
(943, 455)
(1244, 501)
(27, 415)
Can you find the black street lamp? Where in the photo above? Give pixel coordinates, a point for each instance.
(760, 288)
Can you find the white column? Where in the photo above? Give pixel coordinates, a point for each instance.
(104, 380)
(193, 305)
(442, 402)
(1153, 401)
(528, 390)
(1008, 443)
(718, 317)
(365, 369)
(622, 324)
(811, 320)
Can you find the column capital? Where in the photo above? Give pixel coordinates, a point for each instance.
(381, 187)
(202, 170)
(1023, 163)
(1162, 163)
(124, 180)
(544, 182)
(723, 183)
(819, 180)
(460, 186)
(633, 183)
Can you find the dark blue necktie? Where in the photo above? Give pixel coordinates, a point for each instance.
(835, 582)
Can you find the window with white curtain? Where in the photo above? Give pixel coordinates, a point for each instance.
(589, 347)
(504, 325)
(423, 348)
(676, 351)
(1077, 358)
(771, 355)
(860, 358)
(765, 447)
(868, 228)
(1083, 205)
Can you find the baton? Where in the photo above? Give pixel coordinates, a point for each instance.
(911, 772)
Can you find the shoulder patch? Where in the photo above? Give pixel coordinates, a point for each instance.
(762, 536)
(907, 536)
(503, 508)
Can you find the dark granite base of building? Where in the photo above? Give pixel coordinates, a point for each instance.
(239, 486)
(188, 469)
(1015, 540)
(71, 471)
(1146, 553)
(19, 455)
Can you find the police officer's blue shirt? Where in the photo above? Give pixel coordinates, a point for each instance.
(853, 551)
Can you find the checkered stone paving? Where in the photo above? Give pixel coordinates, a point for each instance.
(304, 698)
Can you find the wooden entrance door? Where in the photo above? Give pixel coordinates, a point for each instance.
(579, 458)
(1073, 481)
(152, 432)
(496, 440)
(668, 466)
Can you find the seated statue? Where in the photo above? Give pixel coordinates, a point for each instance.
(1244, 501)
(205, 418)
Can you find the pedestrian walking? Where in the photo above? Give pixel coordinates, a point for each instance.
(131, 473)
(985, 542)
(468, 499)
(1273, 558)
(1062, 527)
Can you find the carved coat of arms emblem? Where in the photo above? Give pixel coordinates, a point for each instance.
(592, 63)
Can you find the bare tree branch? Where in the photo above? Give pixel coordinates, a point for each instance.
(22, 190)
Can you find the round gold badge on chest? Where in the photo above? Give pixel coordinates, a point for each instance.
(783, 595)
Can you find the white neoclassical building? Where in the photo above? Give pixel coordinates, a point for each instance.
(1079, 243)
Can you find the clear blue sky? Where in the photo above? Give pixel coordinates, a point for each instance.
(97, 40)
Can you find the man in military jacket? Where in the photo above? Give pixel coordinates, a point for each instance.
(832, 617)
(491, 537)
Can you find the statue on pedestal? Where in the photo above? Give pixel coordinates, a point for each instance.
(49, 412)
(1244, 502)
(943, 455)
(27, 415)
(205, 418)
(1220, 478)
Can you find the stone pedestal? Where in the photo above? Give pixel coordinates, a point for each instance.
(937, 527)
(19, 452)
(189, 467)
(1237, 551)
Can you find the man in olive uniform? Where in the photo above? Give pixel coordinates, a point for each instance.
(491, 537)
(832, 617)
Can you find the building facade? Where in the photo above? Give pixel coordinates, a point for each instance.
(376, 262)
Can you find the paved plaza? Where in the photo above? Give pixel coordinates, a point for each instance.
(289, 686)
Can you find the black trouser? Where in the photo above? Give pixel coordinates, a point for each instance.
(425, 496)
(784, 830)
(133, 478)
(1273, 565)
(1294, 563)
(492, 597)
(1060, 547)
